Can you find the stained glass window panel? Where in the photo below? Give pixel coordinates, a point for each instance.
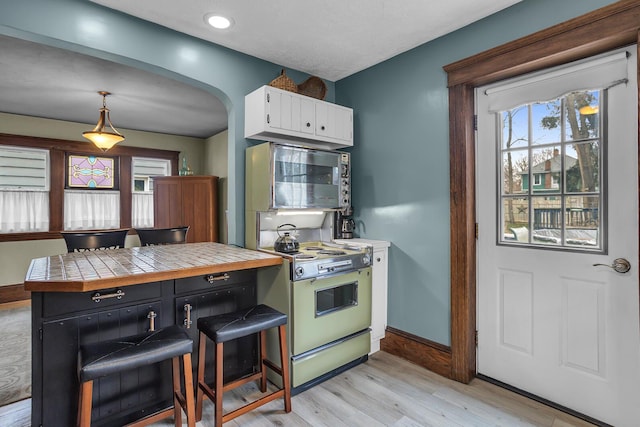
(91, 172)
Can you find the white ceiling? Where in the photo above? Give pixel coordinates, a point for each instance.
(331, 39)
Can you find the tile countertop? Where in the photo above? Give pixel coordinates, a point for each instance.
(96, 270)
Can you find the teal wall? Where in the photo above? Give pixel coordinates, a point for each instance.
(401, 157)
(84, 27)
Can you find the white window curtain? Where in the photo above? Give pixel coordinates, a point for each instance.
(91, 210)
(142, 209)
(24, 211)
(601, 72)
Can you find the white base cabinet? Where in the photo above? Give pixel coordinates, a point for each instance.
(379, 276)
(277, 115)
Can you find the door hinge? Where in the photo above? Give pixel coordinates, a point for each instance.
(475, 122)
(476, 230)
(476, 338)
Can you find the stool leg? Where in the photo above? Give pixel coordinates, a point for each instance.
(284, 360)
(202, 346)
(188, 390)
(263, 355)
(219, 383)
(177, 406)
(84, 404)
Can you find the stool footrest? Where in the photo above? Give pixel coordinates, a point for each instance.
(272, 366)
(253, 405)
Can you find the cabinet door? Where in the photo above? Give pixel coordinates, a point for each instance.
(343, 124)
(379, 294)
(118, 398)
(334, 121)
(307, 115)
(199, 209)
(240, 355)
(167, 196)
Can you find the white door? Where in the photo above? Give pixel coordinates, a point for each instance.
(557, 186)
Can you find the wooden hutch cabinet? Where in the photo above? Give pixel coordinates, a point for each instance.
(187, 200)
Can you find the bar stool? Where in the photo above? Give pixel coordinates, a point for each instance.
(226, 327)
(162, 236)
(104, 358)
(91, 240)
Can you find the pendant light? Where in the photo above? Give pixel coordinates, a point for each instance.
(101, 138)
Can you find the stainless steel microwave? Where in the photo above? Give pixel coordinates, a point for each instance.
(287, 177)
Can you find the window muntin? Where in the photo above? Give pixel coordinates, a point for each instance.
(557, 146)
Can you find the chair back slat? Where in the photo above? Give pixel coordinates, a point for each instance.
(94, 240)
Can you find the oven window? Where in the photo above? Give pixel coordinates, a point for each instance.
(336, 298)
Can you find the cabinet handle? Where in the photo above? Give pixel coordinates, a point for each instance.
(378, 259)
(322, 127)
(308, 124)
(268, 119)
(187, 320)
(212, 279)
(97, 297)
(152, 320)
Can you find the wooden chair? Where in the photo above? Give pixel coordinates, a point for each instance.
(162, 236)
(94, 240)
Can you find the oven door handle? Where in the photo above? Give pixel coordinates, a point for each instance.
(337, 273)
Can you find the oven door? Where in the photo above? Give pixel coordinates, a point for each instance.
(328, 309)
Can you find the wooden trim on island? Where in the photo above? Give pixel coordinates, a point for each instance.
(13, 293)
(428, 354)
(613, 26)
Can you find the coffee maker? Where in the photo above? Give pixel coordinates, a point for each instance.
(344, 225)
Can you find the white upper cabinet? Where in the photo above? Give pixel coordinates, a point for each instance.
(277, 115)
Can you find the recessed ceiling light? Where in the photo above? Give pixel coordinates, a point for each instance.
(218, 21)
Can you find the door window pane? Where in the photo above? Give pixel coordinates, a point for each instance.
(556, 174)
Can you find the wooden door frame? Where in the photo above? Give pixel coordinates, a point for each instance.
(605, 29)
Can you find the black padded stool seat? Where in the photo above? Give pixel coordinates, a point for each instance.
(229, 326)
(104, 358)
(109, 357)
(226, 327)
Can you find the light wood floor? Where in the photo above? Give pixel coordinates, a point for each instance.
(385, 391)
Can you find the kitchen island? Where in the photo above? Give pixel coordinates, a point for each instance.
(91, 296)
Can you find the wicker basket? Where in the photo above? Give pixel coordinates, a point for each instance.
(283, 82)
(313, 87)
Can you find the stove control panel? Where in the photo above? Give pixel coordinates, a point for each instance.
(335, 266)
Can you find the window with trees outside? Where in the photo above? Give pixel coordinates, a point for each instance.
(550, 156)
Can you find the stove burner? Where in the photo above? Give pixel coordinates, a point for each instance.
(305, 256)
(331, 252)
(313, 248)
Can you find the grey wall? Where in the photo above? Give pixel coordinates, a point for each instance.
(401, 157)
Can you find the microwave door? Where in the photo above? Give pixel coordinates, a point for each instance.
(306, 178)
